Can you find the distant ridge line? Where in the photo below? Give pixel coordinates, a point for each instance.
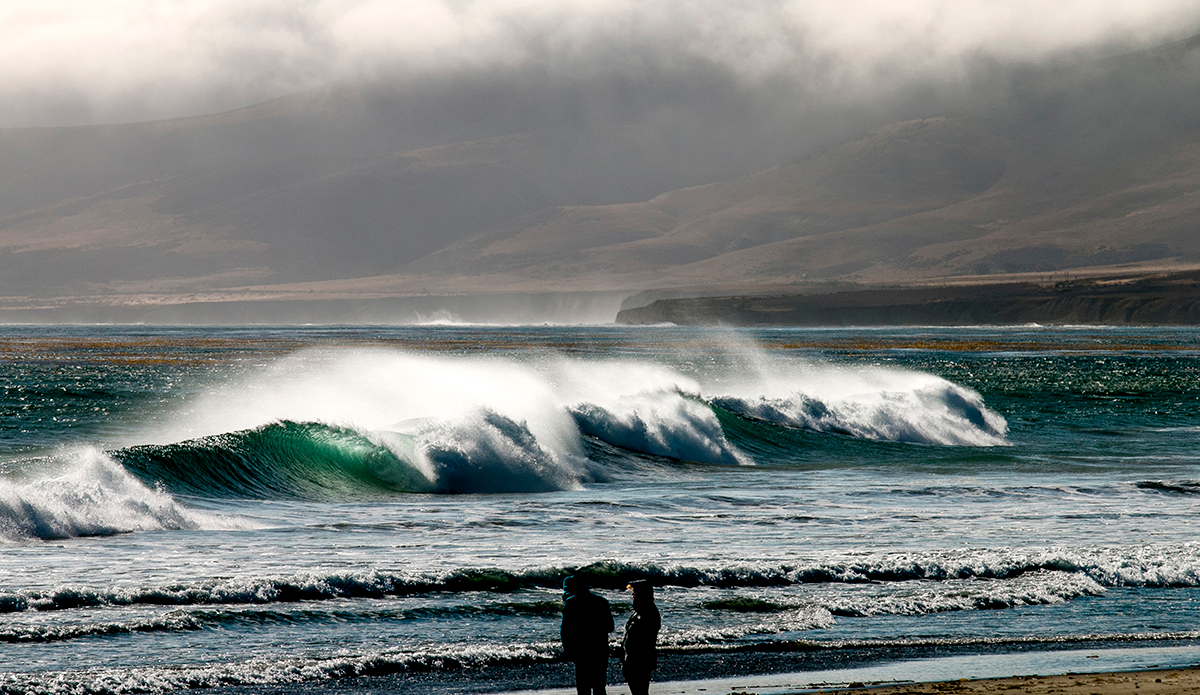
(1167, 300)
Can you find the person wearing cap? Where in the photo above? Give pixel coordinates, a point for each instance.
(639, 644)
(586, 623)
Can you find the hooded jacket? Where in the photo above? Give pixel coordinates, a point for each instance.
(586, 622)
(641, 632)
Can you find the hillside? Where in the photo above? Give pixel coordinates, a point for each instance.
(340, 183)
(1101, 175)
(370, 192)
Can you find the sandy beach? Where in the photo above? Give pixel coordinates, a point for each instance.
(1104, 671)
(1168, 682)
(1156, 682)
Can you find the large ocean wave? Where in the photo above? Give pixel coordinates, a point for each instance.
(483, 451)
(317, 426)
(356, 424)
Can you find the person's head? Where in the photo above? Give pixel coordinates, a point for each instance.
(642, 590)
(573, 584)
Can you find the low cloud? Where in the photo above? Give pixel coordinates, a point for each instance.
(86, 61)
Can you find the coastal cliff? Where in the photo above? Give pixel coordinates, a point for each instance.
(1167, 300)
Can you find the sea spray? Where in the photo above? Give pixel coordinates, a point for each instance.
(662, 424)
(91, 496)
(370, 390)
(636, 405)
(892, 406)
(488, 452)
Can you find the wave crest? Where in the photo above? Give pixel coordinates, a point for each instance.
(488, 452)
(1080, 572)
(940, 413)
(94, 496)
(483, 451)
(662, 424)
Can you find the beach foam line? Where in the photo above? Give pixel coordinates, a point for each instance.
(936, 670)
(1032, 577)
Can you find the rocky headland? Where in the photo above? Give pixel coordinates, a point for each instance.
(1156, 300)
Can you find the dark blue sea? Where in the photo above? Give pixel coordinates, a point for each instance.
(316, 507)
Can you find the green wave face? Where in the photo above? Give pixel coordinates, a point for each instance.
(281, 460)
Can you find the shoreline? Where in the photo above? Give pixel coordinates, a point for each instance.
(1088, 672)
(1152, 682)
(1140, 301)
(1034, 672)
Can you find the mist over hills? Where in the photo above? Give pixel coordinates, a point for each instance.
(1074, 168)
(517, 181)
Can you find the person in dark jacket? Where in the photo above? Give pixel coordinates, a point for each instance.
(639, 645)
(586, 623)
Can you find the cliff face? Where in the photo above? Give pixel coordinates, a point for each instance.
(1173, 300)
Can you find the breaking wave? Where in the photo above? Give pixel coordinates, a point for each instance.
(481, 452)
(938, 413)
(91, 496)
(636, 405)
(192, 619)
(271, 671)
(268, 671)
(367, 423)
(661, 424)
(1009, 578)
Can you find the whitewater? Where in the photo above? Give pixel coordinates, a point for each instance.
(244, 508)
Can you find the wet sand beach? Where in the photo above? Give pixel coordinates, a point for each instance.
(1153, 682)
(1150, 682)
(1157, 682)
(1104, 671)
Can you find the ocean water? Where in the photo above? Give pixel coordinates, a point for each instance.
(247, 508)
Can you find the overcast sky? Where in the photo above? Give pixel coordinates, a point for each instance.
(86, 61)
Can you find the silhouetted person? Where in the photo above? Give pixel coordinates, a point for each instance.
(641, 638)
(586, 623)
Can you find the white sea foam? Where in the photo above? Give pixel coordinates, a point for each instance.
(267, 670)
(175, 621)
(660, 424)
(373, 390)
(869, 403)
(91, 496)
(1156, 565)
(488, 424)
(663, 423)
(643, 407)
(485, 451)
(1036, 588)
(898, 583)
(793, 619)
